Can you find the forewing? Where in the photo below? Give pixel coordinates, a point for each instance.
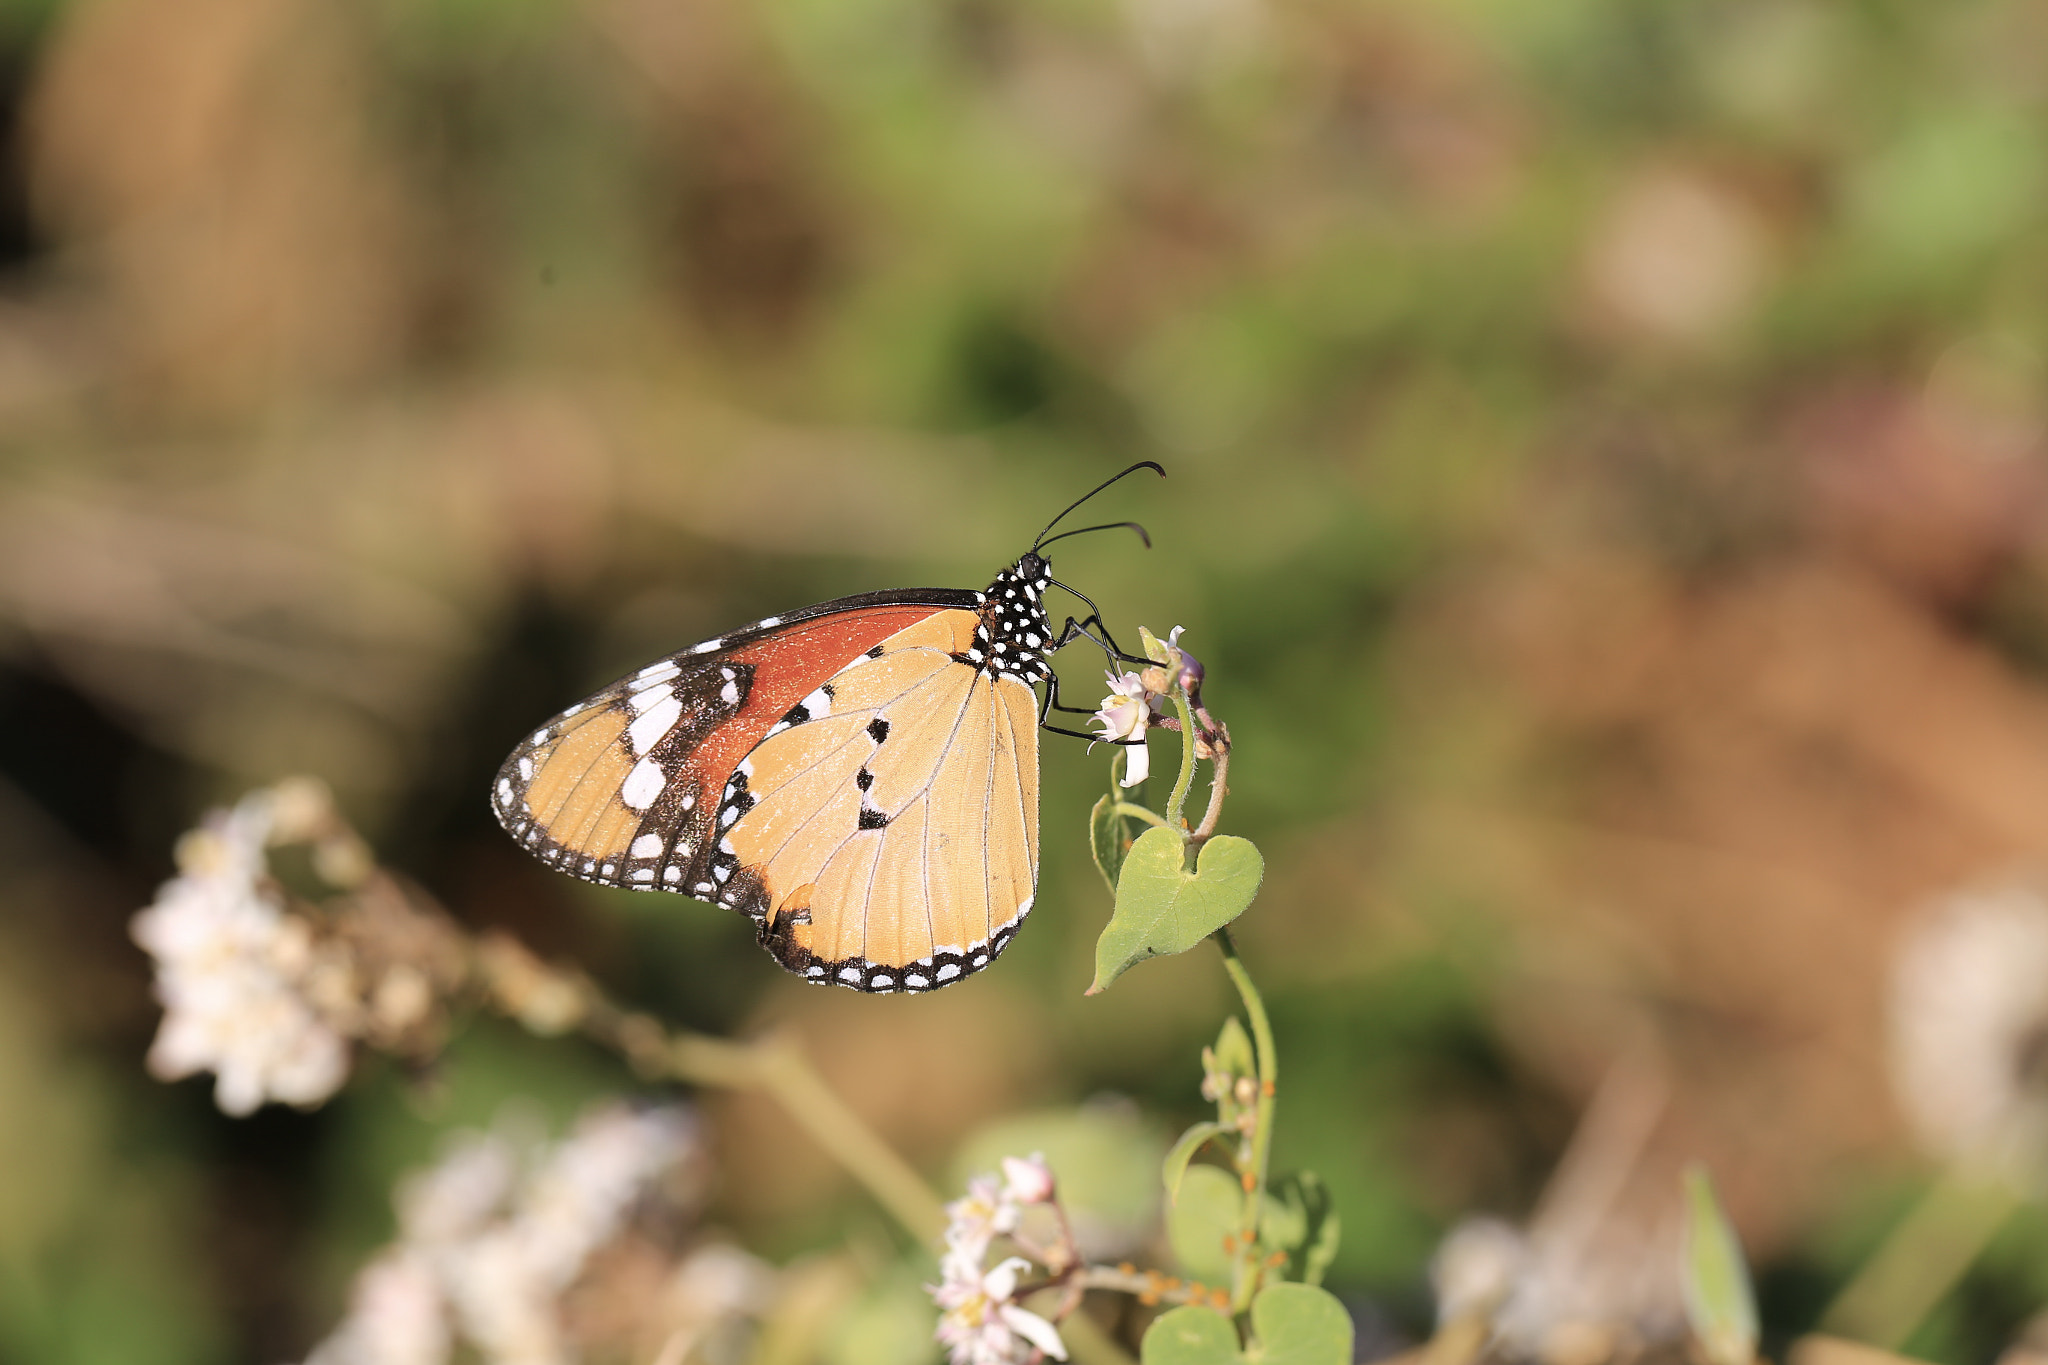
(623, 788)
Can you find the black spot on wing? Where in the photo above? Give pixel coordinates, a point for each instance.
(878, 729)
(873, 819)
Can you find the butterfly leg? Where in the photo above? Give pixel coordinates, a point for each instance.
(1078, 630)
(1052, 703)
(1107, 643)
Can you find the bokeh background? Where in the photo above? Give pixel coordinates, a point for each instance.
(1606, 443)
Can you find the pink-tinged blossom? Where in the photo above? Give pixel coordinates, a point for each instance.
(978, 1218)
(980, 1323)
(1027, 1179)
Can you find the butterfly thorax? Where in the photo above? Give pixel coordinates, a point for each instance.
(1014, 631)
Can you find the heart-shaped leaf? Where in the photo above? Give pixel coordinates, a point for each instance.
(1183, 1152)
(1295, 1325)
(1163, 909)
(1210, 1207)
(1190, 1336)
(1108, 840)
(1298, 1324)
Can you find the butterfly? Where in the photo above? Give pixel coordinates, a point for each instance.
(859, 778)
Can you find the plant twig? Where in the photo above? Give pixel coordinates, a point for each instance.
(1219, 770)
(777, 1066)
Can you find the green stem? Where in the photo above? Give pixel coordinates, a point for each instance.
(1187, 762)
(1262, 1129)
(1145, 813)
(1920, 1260)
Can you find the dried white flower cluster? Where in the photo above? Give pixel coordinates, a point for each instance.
(1970, 1030)
(980, 1323)
(232, 968)
(492, 1237)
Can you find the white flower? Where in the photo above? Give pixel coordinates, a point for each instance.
(972, 1222)
(489, 1241)
(230, 965)
(1124, 715)
(396, 1316)
(1475, 1269)
(1969, 1017)
(1027, 1179)
(980, 1325)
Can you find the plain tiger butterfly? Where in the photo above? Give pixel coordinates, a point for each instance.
(859, 778)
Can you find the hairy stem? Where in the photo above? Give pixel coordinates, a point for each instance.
(1145, 813)
(1186, 779)
(1262, 1130)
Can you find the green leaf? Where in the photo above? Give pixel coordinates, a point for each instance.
(1718, 1300)
(1234, 1050)
(1298, 1324)
(1163, 909)
(1108, 840)
(1183, 1152)
(1208, 1209)
(1190, 1336)
(1298, 1219)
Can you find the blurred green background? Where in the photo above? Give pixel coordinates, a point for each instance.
(1606, 443)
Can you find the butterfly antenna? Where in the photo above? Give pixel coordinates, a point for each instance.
(1107, 526)
(1142, 464)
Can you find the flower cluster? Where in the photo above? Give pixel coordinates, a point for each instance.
(980, 1322)
(1136, 701)
(267, 993)
(492, 1237)
(232, 970)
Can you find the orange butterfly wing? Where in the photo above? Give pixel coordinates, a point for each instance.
(845, 776)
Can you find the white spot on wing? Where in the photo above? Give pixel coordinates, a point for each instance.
(539, 738)
(915, 980)
(647, 846)
(671, 874)
(662, 668)
(526, 770)
(730, 694)
(504, 792)
(643, 784)
(947, 971)
(819, 703)
(849, 973)
(643, 874)
(649, 696)
(770, 621)
(704, 648)
(645, 732)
